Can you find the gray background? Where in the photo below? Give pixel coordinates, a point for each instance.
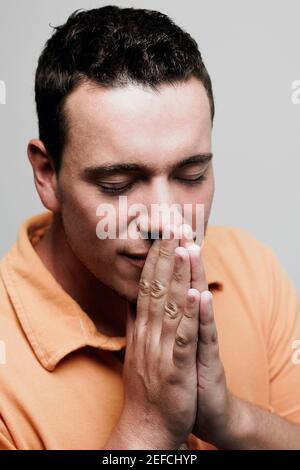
(251, 50)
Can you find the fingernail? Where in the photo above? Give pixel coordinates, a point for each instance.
(180, 253)
(206, 295)
(192, 295)
(194, 248)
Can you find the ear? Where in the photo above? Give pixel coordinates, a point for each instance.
(45, 177)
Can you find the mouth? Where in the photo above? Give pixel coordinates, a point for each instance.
(136, 259)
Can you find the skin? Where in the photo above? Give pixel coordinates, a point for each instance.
(160, 374)
(145, 133)
(135, 125)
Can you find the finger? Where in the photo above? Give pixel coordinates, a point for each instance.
(186, 235)
(185, 344)
(145, 285)
(208, 348)
(175, 302)
(160, 284)
(198, 275)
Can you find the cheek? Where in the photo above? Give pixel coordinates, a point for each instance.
(79, 213)
(79, 231)
(79, 206)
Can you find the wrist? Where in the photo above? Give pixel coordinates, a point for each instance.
(140, 434)
(239, 427)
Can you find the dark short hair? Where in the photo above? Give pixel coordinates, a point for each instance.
(112, 47)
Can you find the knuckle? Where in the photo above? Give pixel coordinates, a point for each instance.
(208, 322)
(164, 252)
(177, 275)
(182, 341)
(170, 375)
(172, 378)
(214, 336)
(157, 288)
(190, 312)
(219, 373)
(144, 286)
(204, 340)
(171, 309)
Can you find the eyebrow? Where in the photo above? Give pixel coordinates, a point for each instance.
(90, 173)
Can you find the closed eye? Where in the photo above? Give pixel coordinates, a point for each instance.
(115, 190)
(121, 189)
(197, 180)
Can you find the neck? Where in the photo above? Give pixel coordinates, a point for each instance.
(96, 299)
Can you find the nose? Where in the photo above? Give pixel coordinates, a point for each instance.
(163, 210)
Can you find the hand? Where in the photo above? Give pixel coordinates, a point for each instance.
(214, 401)
(160, 373)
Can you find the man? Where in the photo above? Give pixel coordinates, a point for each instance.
(125, 107)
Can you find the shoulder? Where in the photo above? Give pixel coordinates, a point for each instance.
(239, 250)
(234, 238)
(251, 266)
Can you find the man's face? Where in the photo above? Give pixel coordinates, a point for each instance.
(154, 133)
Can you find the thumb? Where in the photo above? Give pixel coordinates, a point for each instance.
(208, 347)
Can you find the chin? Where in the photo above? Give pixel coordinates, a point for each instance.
(129, 293)
(126, 289)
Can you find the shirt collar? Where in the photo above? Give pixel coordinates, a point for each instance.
(54, 324)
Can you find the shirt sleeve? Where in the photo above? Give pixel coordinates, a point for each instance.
(283, 343)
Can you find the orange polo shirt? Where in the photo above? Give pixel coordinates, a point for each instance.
(61, 385)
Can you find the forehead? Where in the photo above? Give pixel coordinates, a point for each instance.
(134, 121)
